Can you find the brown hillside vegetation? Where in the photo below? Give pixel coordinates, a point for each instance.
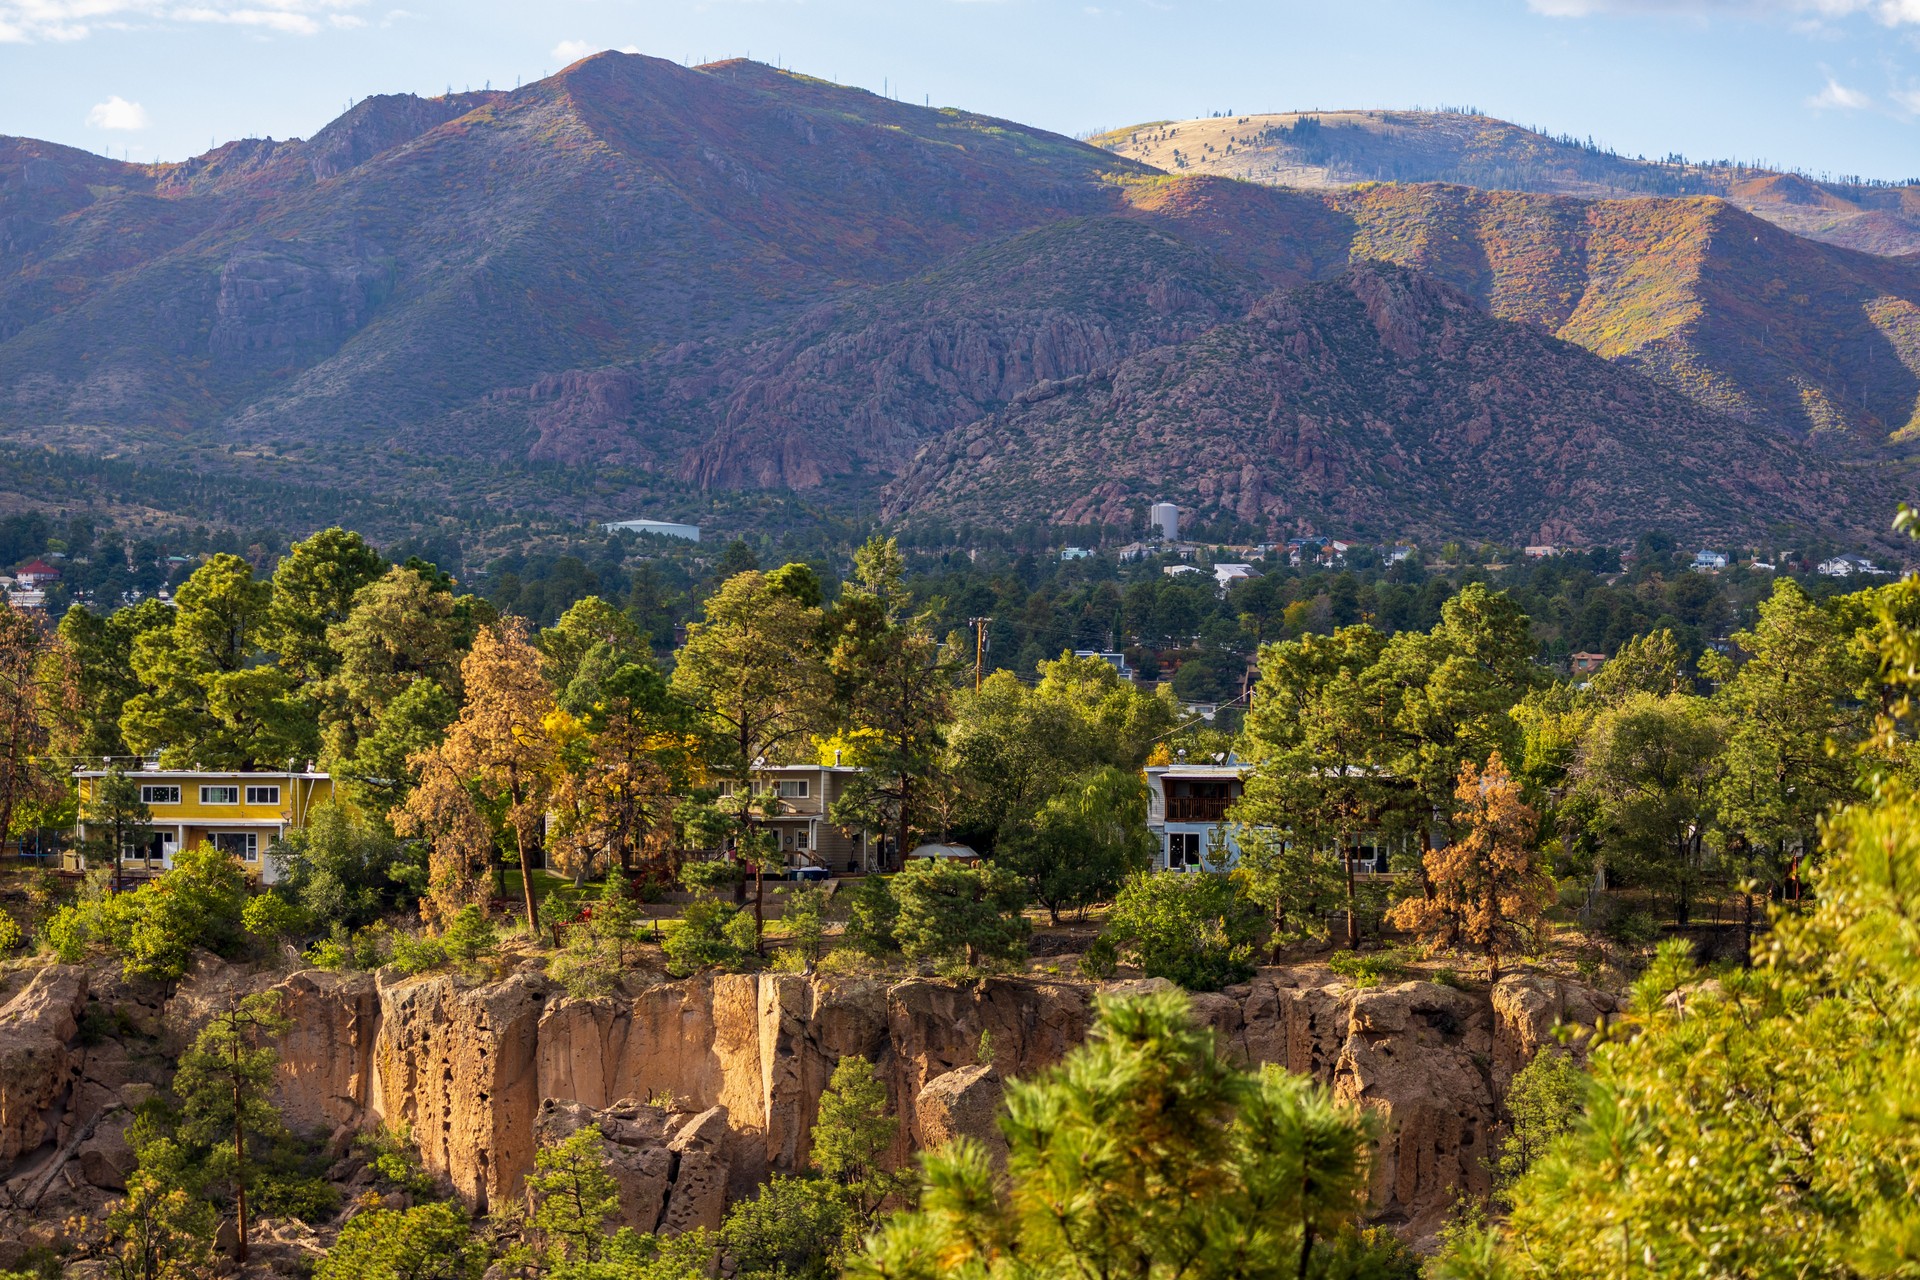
(1379, 402)
(1342, 148)
(733, 277)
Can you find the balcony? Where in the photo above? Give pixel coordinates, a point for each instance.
(1198, 808)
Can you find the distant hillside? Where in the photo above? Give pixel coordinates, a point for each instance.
(1383, 403)
(636, 284)
(1343, 148)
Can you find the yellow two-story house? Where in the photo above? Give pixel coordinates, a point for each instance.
(241, 814)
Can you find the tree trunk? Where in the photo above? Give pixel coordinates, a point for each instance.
(1746, 933)
(759, 906)
(526, 884)
(239, 1156)
(1353, 918)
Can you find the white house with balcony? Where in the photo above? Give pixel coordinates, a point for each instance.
(1187, 811)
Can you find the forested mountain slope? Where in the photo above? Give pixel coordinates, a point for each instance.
(634, 282)
(1383, 403)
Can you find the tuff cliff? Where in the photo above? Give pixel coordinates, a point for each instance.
(706, 1085)
(468, 1067)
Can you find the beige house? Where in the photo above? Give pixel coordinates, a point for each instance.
(803, 796)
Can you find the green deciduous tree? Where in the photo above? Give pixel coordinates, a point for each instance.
(1083, 842)
(1146, 1154)
(1190, 929)
(425, 1242)
(1650, 664)
(1545, 1100)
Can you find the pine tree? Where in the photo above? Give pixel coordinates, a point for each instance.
(225, 1085)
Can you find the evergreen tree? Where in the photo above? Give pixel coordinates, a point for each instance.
(1145, 1153)
(425, 1242)
(225, 1085)
(960, 915)
(573, 1195)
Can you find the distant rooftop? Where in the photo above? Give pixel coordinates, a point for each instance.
(665, 528)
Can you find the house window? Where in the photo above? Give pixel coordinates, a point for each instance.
(244, 845)
(219, 795)
(800, 838)
(1183, 850)
(263, 795)
(159, 795)
(726, 788)
(796, 789)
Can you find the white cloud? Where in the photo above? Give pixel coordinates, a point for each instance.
(117, 113)
(1908, 100)
(1837, 97)
(27, 21)
(1891, 12)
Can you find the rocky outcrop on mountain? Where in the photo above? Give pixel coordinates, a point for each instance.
(37, 1062)
(963, 1103)
(1383, 403)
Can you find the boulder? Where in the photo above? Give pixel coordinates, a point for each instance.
(965, 1102)
(671, 1169)
(38, 1063)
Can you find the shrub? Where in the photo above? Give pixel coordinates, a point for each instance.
(413, 953)
(1633, 929)
(1366, 968)
(271, 917)
(1190, 929)
(805, 918)
(11, 935)
(426, 1242)
(871, 914)
(710, 933)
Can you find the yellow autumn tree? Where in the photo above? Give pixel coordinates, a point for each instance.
(442, 811)
(1488, 888)
(499, 752)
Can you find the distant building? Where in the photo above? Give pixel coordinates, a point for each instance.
(1585, 664)
(799, 821)
(1225, 575)
(1075, 553)
(1540, 551)
(36, 573)
(1399, 555)
(1709, 561)
(1165, 519)
(1118, 661)
(1847, 566)
(1179, 570)
(665, 528)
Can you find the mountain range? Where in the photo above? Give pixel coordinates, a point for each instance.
(1332, 149)
(636, 283)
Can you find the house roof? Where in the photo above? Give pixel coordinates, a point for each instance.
(143, 774)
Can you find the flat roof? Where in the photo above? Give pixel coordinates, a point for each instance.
(282, 774)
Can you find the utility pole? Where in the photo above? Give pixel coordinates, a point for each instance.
(979, 626)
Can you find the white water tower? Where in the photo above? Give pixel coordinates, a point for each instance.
(1165, 519)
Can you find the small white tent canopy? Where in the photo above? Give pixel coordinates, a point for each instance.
(953, 852)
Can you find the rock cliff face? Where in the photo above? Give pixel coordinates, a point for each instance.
(716, 1081)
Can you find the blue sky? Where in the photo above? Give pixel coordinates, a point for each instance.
(1825, 85)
